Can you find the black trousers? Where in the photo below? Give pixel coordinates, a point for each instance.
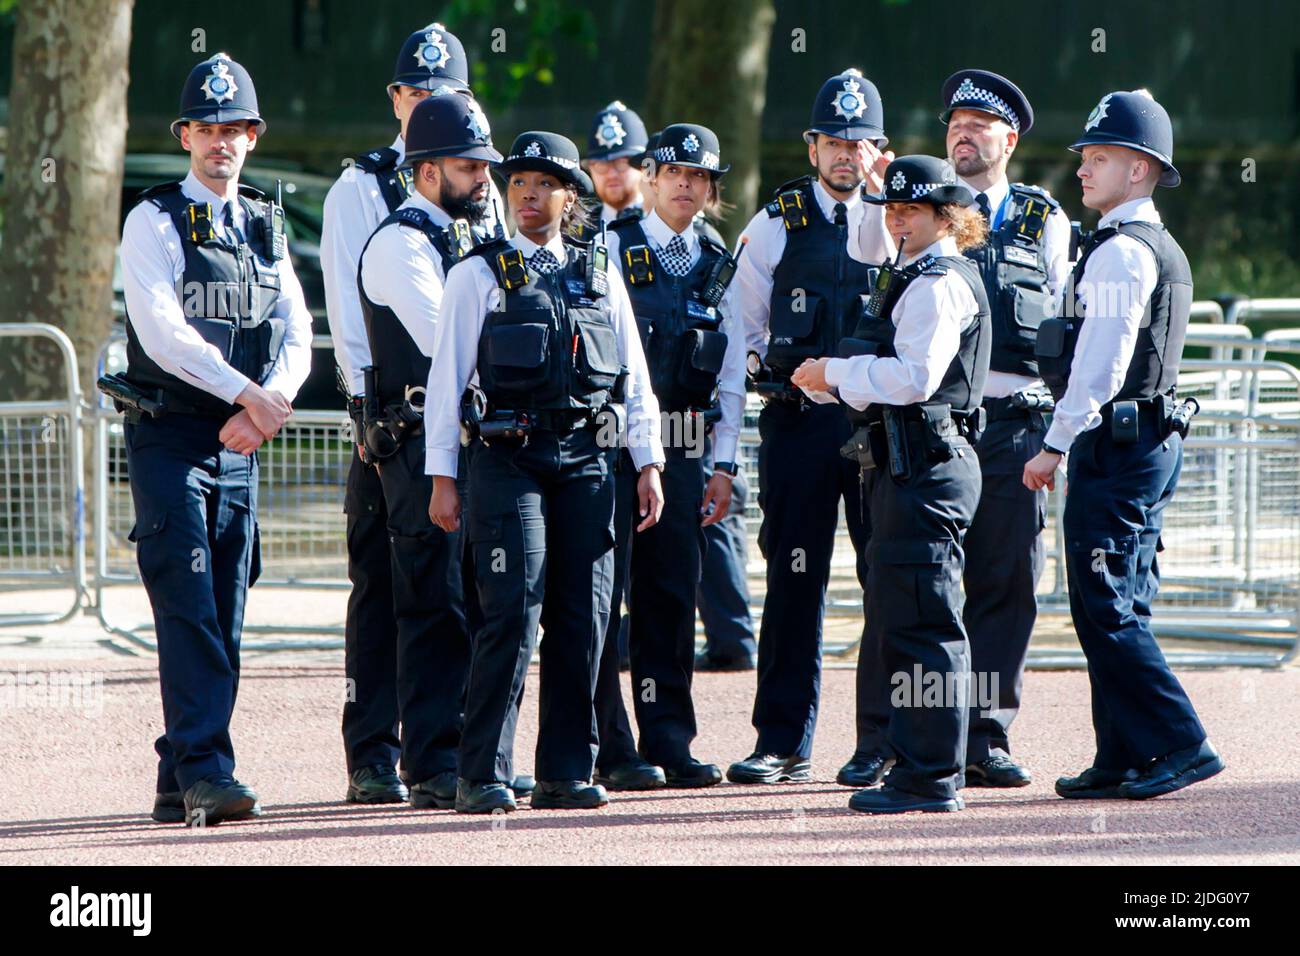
(914, 611)
(541, 529)
(1004, 560)
(429, 608)
(370, 733)
(1113, 515)
(802, 477)
(723, 594)
(617, 741)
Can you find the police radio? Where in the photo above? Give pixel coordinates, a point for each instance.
(724, 270)
(597, 263)
(885, 278)
(272, 227)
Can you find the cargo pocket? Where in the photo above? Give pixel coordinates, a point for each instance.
(1106, 567)
(147, 535)
(597, 358)
(1026, 310)
(518, 355)
(926, 577)
(793, 326)
(700, 364)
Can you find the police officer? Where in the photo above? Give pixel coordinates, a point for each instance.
(616, 141)
(920, 356)
(1024, 264)
(694, 347)
(402, 271)
(1111, 360)
(219, 335)
(798, 290)
(431, 63)
(551, 334)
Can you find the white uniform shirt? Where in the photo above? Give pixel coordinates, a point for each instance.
(929, 318)
(153, 263)
(731, 380)
(765, 237)
(1115, 287)
(402, 270)
(354, 208)
(470, 294)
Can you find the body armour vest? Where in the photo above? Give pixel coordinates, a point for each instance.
(962, 386)
(816, 287)
(394, 184)
(551, 345)
(1013, 265)
(227, 291)
(1153, 369)
(397, 358)
(680, 334)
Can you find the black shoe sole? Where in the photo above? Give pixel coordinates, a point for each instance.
(542, 802)
(990, 785)
(620, 788)
(692, 783)
(1092, 793)
(799, 774)
(170, 815)
(930, 806)
(859, 783)
(465, 808)
(429, 802)
(1185, 779)
(388, 796)
(246, 808)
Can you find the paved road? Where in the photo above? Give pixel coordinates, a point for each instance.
(77, 779)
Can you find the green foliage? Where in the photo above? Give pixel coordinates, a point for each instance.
(535, 32)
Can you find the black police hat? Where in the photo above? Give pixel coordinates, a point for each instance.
(616, 132)
(688, 144)
(1135, 120)
(651, 142)
(922, 179)
(449, 126)
(218, 90)
(548, 153)
(988, 93)
(848, 107)
(432, 59)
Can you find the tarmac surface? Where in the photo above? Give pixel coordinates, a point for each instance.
(79, 768)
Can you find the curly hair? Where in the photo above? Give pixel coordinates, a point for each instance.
(965, 224)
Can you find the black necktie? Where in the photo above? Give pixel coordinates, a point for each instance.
(983, 202)
(841, 214)
(228, 220)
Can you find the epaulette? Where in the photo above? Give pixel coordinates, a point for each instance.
(623, 222)
(251, 192)
(798, 184)
(790, 205)
(377, 160)
(410, 216)
(161, 189)
(930, 266)
(712, 245)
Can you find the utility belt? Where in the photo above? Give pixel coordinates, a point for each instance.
(515, 425)
(137, 403)
(385, 428)
(1026, 404)
(909, 437)
(782, 393)
(1164, 415)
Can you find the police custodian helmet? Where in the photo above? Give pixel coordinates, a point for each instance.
(848, 107)
(218, 90)
(922, 179)
(449, 126)
(616, 132)
(432, 59)
(1133, 119)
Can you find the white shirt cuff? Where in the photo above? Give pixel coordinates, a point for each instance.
(440, 462)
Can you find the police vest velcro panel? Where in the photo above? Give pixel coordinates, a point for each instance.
(962, 385)
(551, 345)
(1014, 268)
(816, 287)
(394, 184)
(227, 292)
(397, 358)
(1153, 370)
(681, 335)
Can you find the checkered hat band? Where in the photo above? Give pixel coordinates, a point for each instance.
(924, 189)
(968, 93)
(557, 160)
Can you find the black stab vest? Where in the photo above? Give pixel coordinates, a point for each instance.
(1013, 265)
(397, 358)
(551, 346)
(962, 386)
(227, 293)
(681, 336)
(1153, 369)
(816, 287)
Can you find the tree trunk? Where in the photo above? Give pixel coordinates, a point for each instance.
(708, 65)
(63, 183)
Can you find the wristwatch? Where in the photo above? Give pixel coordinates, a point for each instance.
(727, 467)
(1054, 451)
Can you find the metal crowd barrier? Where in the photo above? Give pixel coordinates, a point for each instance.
(1230, 574)
(42, 544)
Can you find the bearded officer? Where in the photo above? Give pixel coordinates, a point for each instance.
(615, 145)
(431, 63)
(798, 291)
(1111, 361)
(1024, 265)
(217, 374)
